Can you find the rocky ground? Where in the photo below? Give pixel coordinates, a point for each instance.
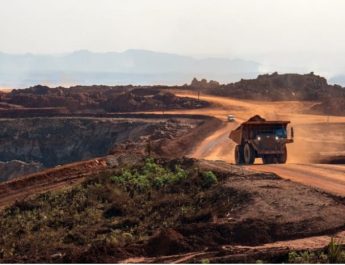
(153, 209)
(329, 99)
(94, 99)
(16, 168)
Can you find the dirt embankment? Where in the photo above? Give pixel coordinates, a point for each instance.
(195, 212)
(94, 99)
(22, 187)
(329, 99)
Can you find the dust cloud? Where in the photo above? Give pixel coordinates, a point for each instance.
(315, 136)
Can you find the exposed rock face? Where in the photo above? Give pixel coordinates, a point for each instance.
(284, 87)
(55, 141)
(15, 168)
(204, 84)
(276, 86)
(130, 101)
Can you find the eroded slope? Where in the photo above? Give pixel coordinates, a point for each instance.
(57, 141)
(163, 207)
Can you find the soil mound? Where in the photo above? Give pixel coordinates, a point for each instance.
(252, 232)
(166, 242)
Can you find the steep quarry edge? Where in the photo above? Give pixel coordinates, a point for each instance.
(59, 140)
(69, 174)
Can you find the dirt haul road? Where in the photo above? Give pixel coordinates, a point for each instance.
(314, 135)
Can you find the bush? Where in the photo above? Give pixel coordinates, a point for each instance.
(334, 252)
(208, 179)
(151, 175)
(108, 211)
(304, 257)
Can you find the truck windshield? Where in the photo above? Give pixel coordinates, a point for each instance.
(280, 132)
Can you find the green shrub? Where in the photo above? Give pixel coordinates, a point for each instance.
(302, 257)
(179, 174)
(334, 252)
(151, 175)
(109, 210)
(208, 179)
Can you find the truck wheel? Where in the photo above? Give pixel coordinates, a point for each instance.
(239, 155)
(283, 157)
(249, 155)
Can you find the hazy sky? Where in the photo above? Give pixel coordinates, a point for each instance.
(305, 34)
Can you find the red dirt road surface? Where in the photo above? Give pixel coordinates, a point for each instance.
(314, 135)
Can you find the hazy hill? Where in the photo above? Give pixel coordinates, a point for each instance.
(129, 67)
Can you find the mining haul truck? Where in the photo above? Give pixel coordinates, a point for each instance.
(258, 137)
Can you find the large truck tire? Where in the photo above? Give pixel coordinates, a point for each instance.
(239, 160)
(249, 154)
(282, 157)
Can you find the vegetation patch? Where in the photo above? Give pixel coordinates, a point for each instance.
(114, 215)
(334, 253)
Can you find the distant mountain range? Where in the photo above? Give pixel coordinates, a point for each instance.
(116, 68)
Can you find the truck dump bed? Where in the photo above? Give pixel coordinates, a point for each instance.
(236, 135)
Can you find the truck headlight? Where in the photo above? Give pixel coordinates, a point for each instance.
(259, 138)
(277, 138)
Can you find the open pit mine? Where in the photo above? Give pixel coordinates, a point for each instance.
(133, 174)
